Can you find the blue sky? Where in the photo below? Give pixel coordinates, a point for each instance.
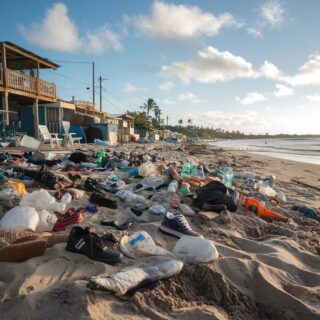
(252, 66)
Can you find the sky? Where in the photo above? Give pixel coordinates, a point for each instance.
(252, 66)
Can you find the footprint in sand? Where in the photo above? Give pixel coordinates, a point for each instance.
(46, 275)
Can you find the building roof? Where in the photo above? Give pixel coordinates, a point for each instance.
(124, 115)
(44, 62)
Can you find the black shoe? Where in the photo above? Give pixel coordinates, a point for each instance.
(177, 225)
(114, 223)
(90, 244)
(101, 200)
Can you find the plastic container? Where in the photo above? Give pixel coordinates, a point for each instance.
(228, 176)
(131, 197)
(186, 170)
(173, 186)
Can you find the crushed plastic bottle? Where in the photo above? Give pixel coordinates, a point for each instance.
(186, 170)
(200, 172)
(228, 176)
(131, 197)
(173, 187)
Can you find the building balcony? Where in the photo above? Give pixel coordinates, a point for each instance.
(22, 83)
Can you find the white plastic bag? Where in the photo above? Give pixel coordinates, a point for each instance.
(148, 170)
(195, 250)
(21, 217)
(140, 244)
(46, 221)
(42, 200)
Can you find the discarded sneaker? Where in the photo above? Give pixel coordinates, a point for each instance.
(176, 225)
(101, 200)
(85, 242)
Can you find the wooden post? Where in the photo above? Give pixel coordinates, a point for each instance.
(36, 118)
(4, 65)
(5, 107)
(38, 78)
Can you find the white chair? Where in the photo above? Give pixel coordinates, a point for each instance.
(68, 135)
(46, 136)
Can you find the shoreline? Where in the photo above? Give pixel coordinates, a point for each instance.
(262, 270)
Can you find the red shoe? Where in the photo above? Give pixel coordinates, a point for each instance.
(72, 216)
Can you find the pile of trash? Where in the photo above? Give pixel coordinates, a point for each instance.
(39, 195)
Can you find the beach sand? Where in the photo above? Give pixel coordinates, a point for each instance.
(265, 270)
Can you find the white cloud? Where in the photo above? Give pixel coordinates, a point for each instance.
(308, 74)
(244, 122)
(168, 102)
(210, 65)
(313, 98)
(129, 88)
(255, 33)
(273, 13)
(189, 97)
(166, 85)
(58, 32)
(170, 21)
(270, 71)
(251, 97)
(283, 91)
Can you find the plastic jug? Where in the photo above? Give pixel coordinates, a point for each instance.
(228, 176)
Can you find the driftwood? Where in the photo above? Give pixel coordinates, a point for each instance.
(306, 184)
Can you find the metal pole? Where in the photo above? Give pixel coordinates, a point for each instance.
(93, 85)
(100, 80)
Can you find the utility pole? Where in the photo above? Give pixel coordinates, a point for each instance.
(93, 86)
(167, 121)
(100, 81)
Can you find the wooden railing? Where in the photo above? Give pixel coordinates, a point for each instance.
(1, 75)
(21, 82)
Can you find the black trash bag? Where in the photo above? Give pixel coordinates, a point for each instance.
(216, 193)
(78, 157)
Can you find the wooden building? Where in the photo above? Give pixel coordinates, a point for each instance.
(21, 85)
(125, 127)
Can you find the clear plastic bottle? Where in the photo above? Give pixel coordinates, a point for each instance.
(173, 186)
(228, 176)
(131, 197)
(200, 172)
(186, 170)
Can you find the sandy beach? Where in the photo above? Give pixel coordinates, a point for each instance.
(264, 271)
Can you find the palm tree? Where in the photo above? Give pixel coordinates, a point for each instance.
(150, 105)
(180, 121)
(189, 122)
(157, 114)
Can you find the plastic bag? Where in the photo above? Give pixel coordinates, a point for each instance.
(148, 170)
(46, 221)
(195, 250)
(21, 217)
(42, 200)
(141, 244)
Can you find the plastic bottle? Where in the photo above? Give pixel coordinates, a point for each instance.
(186, 170)
(173, 186)
(130, 197)
(185, 189)
(228, 176)
(199, 172)
(193, 171)
(101, 155)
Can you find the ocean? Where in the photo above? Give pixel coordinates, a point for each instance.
(296, 149)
